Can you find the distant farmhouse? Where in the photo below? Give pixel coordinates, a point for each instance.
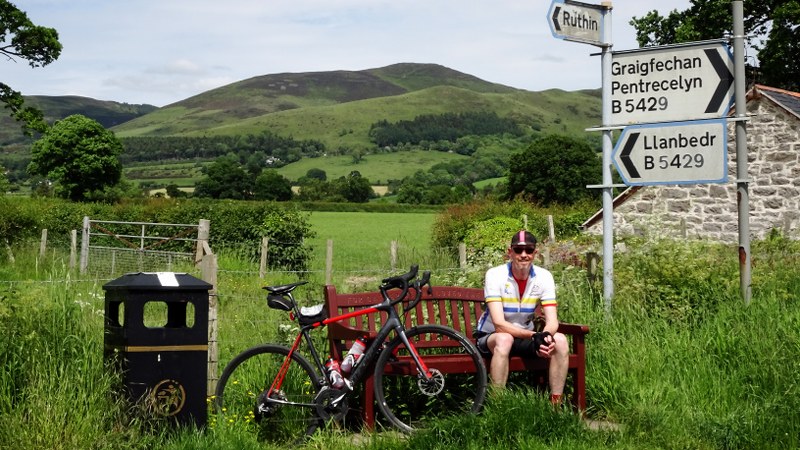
(709, 211)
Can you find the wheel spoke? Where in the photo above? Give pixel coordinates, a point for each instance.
(242, 399)
(409, 400)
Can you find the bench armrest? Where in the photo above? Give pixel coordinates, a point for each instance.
(573, 329)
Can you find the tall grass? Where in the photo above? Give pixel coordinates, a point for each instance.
(680, 362)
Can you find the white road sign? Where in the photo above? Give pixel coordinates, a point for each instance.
(663, 84)
(673, 153)
(576, 21)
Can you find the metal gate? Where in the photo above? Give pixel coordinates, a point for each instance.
(112, 247)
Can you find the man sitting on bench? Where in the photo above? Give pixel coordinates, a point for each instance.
(512, 293)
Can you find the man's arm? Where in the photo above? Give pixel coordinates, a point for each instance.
(550, 319)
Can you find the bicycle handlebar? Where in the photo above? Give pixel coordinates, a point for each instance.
(403, 282)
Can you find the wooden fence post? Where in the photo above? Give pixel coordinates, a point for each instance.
(203, 248)
(43, 243)
(551, 228)
(208, 269)
(592, 259)
(73, 247)
(85, 245)
(329, 262)
(462, 255)
(262, 267)
(393, 255)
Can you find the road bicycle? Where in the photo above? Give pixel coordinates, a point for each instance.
(285, 395)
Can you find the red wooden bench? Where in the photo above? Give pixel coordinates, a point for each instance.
(459, 308)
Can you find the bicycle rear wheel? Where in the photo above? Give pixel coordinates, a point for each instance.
(407, 400)
(241, 394)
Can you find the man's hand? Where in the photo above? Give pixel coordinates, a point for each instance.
(544, 343)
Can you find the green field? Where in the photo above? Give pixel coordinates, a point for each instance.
(379, 168)
(362, 241)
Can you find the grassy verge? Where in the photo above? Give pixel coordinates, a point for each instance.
(680, 362)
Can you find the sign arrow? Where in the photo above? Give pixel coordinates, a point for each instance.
(725, 80)
(556, 13)
(625, 155)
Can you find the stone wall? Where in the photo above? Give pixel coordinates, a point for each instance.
(709, 211)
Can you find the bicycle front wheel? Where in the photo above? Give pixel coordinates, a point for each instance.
(457, 385)
(285, 416)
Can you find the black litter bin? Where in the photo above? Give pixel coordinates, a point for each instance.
(156, 334)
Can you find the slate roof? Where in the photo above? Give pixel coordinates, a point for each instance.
(788, 100)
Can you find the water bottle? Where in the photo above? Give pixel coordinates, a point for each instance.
(353, 355)
(334, 373)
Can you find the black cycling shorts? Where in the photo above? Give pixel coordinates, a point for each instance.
(520, 347)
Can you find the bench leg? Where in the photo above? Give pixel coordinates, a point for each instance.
(368, 403)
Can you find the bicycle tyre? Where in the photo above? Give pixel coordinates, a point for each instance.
(245, 381)
(399, 391)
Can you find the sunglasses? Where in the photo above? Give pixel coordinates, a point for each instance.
(519, 250)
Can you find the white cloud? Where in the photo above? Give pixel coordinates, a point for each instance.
(159, 52)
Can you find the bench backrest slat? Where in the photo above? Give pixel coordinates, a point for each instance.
(455, 307)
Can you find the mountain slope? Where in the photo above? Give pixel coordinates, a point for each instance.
(107, 113)
(338, 107)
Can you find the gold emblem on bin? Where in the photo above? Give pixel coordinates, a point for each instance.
(168, 397)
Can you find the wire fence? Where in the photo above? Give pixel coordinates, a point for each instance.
(238, 315)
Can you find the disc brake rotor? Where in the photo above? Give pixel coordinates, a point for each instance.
(432, 386)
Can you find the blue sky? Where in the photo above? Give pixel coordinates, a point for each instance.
(163, 51)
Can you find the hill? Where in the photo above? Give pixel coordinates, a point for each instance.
(107, 113)
(335, 108)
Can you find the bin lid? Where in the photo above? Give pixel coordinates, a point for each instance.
(157, 281)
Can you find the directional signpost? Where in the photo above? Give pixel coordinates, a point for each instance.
(672, 83)
(673, 153)
(576, 21)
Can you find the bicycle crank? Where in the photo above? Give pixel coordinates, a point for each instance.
(331, 403)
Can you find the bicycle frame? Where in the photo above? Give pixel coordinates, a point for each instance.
(393, 323)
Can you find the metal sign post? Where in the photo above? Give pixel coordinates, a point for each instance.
(591, 24)
(742, 191)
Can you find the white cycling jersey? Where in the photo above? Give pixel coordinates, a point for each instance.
(500, 286)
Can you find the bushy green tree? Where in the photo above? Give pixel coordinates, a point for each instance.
(225, 178)
(316, 173)
(554, 169)
(80, 157)
(354, 188)
(772, 25)
(271, 185)
(21, 38)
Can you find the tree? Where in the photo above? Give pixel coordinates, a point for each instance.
(554, 169)
(354, 188)
(80, 157)
(39, 45)
(271, 185)
(773, 27)
(174, 192)
(225, 178)
(319, 174)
